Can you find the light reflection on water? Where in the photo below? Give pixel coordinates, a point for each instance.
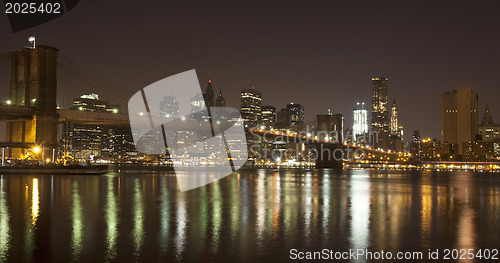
(181, 221)
(4, 223)
(35, 202)
(138, 219)
(164, 213)
(360, 213)
(77, 222)
(112, 220)
(255, 215)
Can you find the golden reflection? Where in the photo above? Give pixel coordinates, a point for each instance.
(4, 224)
(277, 209)
(426, 210)
(111, 221)
(466, 231)
(77, 222)
(138, 217)
(261, 207)
(35, 202)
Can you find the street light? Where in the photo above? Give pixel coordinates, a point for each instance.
(36, 149)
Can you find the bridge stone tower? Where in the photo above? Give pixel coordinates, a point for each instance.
(34, 84)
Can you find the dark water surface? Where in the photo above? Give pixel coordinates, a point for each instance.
(251, 216)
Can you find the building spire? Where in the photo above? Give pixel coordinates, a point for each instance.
(209, 95)
(487, 118)
(220, 101)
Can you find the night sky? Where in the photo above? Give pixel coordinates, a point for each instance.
(321, 54)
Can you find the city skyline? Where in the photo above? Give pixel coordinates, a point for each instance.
(452, 48)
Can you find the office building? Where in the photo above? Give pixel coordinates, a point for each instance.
(396, 130)
(416, 149)
(488, 130)
(380, 112)
(91, 102)
(95, 141)
(296, 115)
(268, 117)
(283, 119)
(459, 117)
(251, 107)
(360, 123)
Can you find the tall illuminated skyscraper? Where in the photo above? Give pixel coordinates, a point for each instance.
(360, 123)
(251, 107)
(396, 131)
(394, 118)
(380, 111)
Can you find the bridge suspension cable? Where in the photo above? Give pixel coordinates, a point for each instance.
(74, 76)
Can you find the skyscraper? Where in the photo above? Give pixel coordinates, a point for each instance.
(396, 130)
(296, 114)
(209, 95)
(251, 107)
(416, 146)
(360, 123)
(459, 117)
(268, 117)
(283, 119)
(380, 111)
(394, 118)
(94, 140)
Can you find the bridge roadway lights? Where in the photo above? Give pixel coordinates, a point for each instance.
(329, 155)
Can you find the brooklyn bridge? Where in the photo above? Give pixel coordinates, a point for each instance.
(32, 115)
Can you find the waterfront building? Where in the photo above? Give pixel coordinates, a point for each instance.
(95, 141)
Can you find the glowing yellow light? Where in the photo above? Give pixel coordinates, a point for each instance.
(8, 102)
(36, 149)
